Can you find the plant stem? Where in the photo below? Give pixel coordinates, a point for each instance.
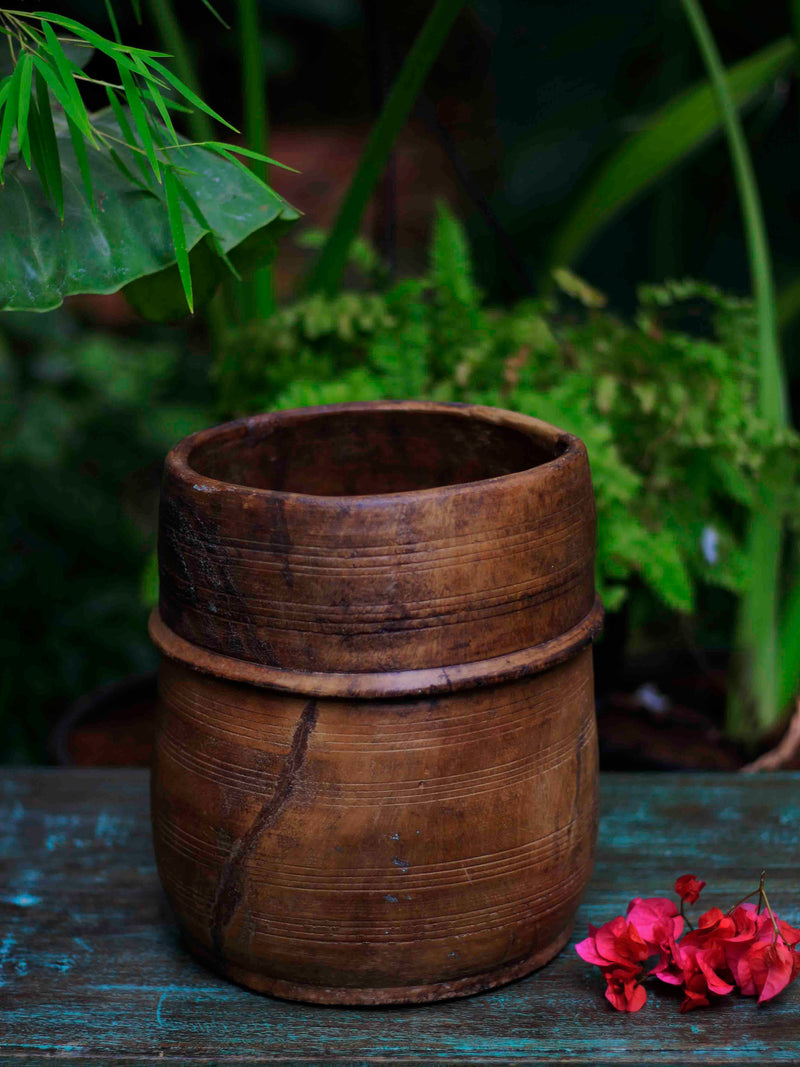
(757, 641)
(327, 272)
(259, 300)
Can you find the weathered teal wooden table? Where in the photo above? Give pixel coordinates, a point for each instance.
(91, 971)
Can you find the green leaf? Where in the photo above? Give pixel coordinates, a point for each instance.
(10, 109)
(670, 135)
(38, 152)
(178, 234)
(451, 261)
(77, 114)
(112, 18)
(229, 149)
(25, 80)
(140, 119)
(127, 135)
(328, 269)
(111, 48)
(757, 637)
(187, 93)
(130, 238)
(77, 110)
(216, 14)
(50, 152)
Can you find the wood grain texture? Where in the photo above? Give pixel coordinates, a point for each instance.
(376, 537)
(376, 851)
(91, 971)
(305, 804)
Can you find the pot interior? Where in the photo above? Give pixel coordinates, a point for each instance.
(367, 452)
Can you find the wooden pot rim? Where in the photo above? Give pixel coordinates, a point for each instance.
(382, 684)
(566, 450)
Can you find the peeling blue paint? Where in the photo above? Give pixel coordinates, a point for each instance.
(22, 900)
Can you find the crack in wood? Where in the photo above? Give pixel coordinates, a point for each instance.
(230, 887)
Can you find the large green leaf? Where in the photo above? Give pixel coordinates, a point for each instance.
(129, 236)
(669, 136)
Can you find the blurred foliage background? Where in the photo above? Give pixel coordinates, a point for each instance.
(520, 111)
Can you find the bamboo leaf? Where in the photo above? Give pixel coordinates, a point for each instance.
(187, 93)
(153, 93)
(670, 136)
(129, 242)
(10, 110)
(23, 107)
(227, 149)
(178, 233)
(54, 84)
(204, 224)
(51, 154)
(127, 134)
(139, 116)
(328, 268)
(37, 148)
(65, 72)
(111, 48)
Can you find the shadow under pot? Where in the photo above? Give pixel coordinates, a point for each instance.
(376, 758)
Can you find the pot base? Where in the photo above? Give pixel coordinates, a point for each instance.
(385, 995)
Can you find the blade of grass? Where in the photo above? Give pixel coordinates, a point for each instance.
(757, 640)
(112, 18)
(327, 271)
(178, 233)
(257, 296)
(669, 137)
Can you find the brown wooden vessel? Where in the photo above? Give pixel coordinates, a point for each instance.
(375, 767)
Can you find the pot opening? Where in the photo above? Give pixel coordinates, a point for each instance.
(368, 452)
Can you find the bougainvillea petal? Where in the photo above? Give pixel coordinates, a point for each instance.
(651, 913)
(624, 992)
(689, 887)
(771, 969)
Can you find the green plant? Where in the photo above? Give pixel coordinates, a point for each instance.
(98, 201)
(667, 404)
(85, 420)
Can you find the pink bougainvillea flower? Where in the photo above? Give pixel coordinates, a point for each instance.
(689, 887)
(623, 991)
(656, 919)
(696, 994)
(768, 968)
(616, 944)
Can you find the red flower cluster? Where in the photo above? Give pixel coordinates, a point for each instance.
(745, 948)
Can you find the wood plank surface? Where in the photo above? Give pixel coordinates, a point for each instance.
(91, 970)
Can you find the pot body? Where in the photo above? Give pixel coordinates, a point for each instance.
(375, 768)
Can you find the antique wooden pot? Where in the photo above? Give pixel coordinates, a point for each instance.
(375, 766)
